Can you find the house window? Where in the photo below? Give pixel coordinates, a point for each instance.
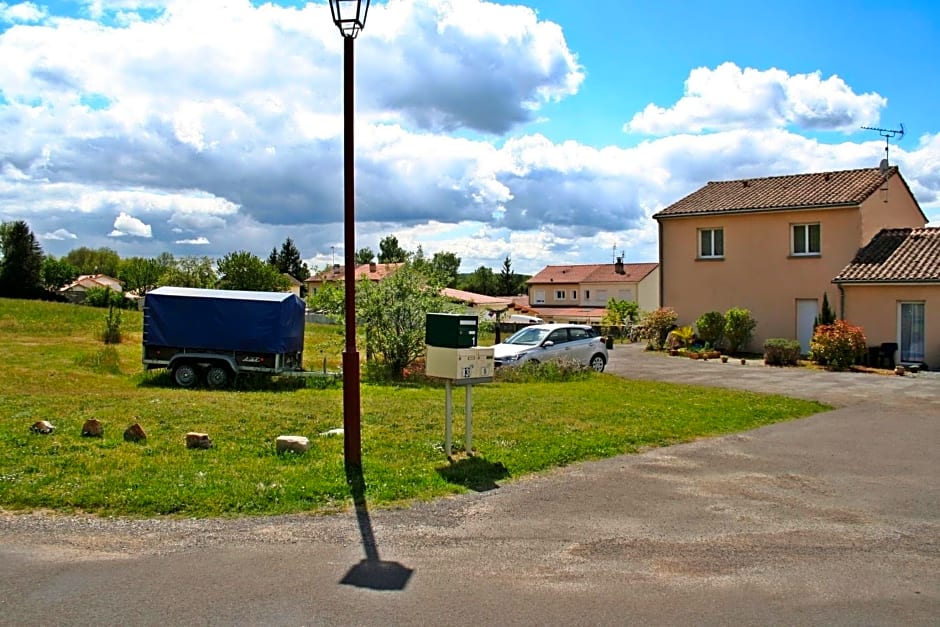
(587, 294)
(574, 294)
(559, 294)
(911, 332)
(711, 243)
(805, 239)
(539, 297)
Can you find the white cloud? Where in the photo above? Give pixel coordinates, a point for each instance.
(59, 235)
(23, 12)
(728, 97)
(196, 241)
(126, 224)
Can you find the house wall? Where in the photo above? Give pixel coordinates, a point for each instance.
(603, 292)
(891, 207)
(648, 291)
(757, 271)
(875, 309)
(550, 299)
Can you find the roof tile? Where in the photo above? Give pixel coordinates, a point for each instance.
(820, 189)
(896, 255)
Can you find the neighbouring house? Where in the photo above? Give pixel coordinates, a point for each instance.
(773, 245)
(75, 291)
(372, 271)
(892, 290)
(294, 284)
(479, 303)
(579, 293)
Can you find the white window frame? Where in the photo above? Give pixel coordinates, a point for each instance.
(711, 242)
(807, 240)
(559, 294)
(574, 294)
(587, 294)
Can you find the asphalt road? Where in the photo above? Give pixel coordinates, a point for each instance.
(829, 520)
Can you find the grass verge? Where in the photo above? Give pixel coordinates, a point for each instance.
(54, 369)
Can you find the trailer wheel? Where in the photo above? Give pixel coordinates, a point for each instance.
(185, 375)
(217, 377)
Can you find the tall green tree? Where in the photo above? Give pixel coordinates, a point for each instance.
(189, 272)
(364, 255)
(393, 312)
(482, 281)
(140, 275)
(444, 267)
(390, 251)
(95, 261)
(21, 266)
(509, 283)
(288, 261)
(57, 273)
(244, 271)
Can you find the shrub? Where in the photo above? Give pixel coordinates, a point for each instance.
(781, 352)
(711, 328)
(739, 326)
(112, 327)
(838, 345)
(656, 326)
(545, 372)
(683, 337)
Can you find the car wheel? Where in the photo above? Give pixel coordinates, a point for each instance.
(185, 375)
(598, 362)
(217, 377)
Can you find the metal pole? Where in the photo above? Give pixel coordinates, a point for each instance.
(448, 417)
(468, 422)
(352, 444)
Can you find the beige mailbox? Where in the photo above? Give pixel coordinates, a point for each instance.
(461, 365)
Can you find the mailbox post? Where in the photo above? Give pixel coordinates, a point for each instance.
(453, 355)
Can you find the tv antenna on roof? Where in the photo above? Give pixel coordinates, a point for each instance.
(887, 133)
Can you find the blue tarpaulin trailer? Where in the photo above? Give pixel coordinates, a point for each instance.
(216, 334)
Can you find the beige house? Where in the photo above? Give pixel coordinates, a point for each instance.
(371, 271)
(579, 293)
(773, 245)
(75, 291)
(892, 290)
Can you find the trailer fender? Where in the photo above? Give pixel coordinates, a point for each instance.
(205, 359)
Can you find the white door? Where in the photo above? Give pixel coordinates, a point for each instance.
(911, 332)
(806, 311)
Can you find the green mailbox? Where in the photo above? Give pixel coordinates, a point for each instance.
(450, 330)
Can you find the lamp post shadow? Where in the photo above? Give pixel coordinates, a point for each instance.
(372, 572)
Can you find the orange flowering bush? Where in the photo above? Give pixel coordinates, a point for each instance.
(838, 345)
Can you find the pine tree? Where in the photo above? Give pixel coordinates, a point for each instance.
(21, 267)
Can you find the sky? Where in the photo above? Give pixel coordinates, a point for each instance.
(548, 131)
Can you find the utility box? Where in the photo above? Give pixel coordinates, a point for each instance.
(450, 330)
(461, 365)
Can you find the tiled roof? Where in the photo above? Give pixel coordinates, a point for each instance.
(338, 272)
(592, 273)
(474, 299)
(896, 256)
(820, 189)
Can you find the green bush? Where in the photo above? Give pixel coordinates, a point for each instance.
(781, 352)
(711, 328)
(739, 326)
(838, 345)
(656, 326)
(112, 327)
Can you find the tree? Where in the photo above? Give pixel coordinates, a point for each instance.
(244, 271)
(95, 261)
(57, 273)
(329, 299)
(21, 267)
(739, 326)
(288, 261)
(189, 272)
(364, 255)
(140, 275)
(482, 281)
(620, 313)
(393, 312)
(509, 283)
(826, 314)
(390, 251)
(444, 267)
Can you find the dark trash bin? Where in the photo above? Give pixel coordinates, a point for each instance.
(609, 340)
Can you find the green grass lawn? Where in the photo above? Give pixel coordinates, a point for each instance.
(54, 369)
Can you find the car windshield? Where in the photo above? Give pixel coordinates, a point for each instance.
(528, 337)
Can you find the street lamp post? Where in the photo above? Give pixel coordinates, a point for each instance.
(350, 17)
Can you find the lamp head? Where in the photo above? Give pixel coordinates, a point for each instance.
(349, 16)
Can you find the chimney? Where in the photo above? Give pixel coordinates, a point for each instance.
(372, 266)
(618, 266)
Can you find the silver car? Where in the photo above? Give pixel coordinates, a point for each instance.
(553, 342)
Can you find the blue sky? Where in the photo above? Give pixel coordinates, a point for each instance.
(549, 131)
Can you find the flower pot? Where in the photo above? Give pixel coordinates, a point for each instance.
(695, 355)
(899, 370)
(674, 352)
(724, 359)
(743, 362)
